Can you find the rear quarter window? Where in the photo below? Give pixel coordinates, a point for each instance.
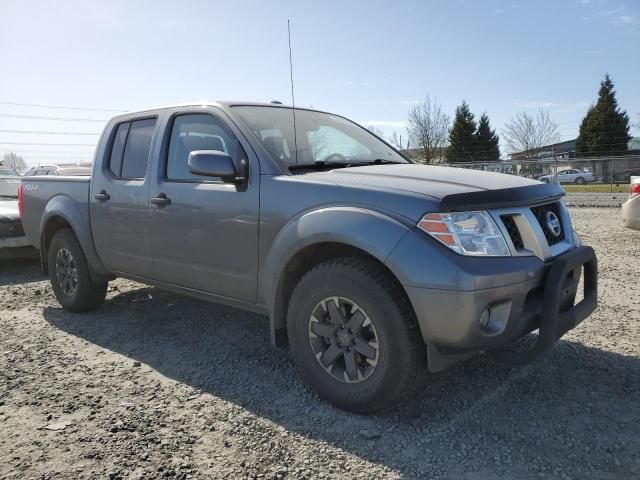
(117, 149)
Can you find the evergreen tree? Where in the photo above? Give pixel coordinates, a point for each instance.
(462, 136)
(605, 128)
(486, 144)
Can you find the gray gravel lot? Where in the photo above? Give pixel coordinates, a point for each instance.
(595, 199)
(153, 385)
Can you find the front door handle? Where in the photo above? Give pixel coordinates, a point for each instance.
(102, 195)
(161, 200)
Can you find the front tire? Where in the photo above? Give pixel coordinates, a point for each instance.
(579, 181)
(354, 336)
(70, 274)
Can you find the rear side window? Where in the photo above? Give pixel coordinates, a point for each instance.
(130, 150)
(136, 151)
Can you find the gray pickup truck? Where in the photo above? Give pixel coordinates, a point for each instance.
(367, 265)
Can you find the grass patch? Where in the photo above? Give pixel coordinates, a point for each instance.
(598, 188)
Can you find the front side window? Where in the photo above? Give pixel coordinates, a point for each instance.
(196, 132)
(319, 137)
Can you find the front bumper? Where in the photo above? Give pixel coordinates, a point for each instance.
(450, 320)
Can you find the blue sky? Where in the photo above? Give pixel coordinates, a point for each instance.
(368, 60)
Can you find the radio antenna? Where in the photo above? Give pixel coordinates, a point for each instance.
(293, 98)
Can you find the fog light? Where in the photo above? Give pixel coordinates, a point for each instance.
(484, 318)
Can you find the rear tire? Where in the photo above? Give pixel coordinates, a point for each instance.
(70, 274)
(361, 292)
(579, 181)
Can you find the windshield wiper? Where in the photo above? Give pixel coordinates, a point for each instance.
(382, 161)
(319, 165)
(377, 161)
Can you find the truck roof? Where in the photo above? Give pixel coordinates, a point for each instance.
(215, 103)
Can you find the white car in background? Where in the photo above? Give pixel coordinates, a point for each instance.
(9, 182)
(572, 175)
(62, 170)
(13, 242)
(631, 208)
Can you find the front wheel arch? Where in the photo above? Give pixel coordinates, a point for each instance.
(301, 263)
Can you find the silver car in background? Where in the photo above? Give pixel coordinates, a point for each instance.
(572, 175)
(631, 208)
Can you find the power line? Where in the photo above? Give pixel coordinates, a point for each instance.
(39, 117)
(50, 144)
(61, 107)
(28, 151)
(45, 132)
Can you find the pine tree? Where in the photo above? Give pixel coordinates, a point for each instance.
(462, 136)
(605, 128)
(486, 144)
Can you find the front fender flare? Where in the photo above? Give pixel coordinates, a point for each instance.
(370, 231)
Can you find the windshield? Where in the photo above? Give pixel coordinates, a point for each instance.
(321, 137)
(8, 171)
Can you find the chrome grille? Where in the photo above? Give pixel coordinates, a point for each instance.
(512, 230)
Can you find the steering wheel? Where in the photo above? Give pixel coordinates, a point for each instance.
(335, 157)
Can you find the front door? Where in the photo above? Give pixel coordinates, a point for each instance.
(204, 236)
(119, 200)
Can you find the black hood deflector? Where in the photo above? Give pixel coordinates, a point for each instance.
(503, 198)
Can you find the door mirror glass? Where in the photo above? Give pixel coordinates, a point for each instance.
(212, 163)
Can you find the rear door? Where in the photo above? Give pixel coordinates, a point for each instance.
(206, 238)
(119, 199)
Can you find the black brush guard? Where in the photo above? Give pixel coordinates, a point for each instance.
(556, 318)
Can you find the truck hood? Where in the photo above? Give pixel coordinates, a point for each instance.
(436, 182)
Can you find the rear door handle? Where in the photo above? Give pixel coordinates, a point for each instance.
(102, 195)
(161, 200)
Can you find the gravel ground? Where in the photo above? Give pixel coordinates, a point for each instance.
(153, 385)
(595, 199)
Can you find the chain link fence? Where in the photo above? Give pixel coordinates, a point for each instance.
(589, 182)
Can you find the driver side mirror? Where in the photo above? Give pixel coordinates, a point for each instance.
(212, 163)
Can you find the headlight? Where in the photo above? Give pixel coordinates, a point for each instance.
(468, 233)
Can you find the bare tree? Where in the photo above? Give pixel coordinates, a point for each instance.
(399, 142)
(525, 134)
(376, 131)
(428, 128)
(318, 141)
(14, 161)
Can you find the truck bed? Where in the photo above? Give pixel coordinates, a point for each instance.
(39, 191)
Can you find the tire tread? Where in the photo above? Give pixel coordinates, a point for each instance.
(373, 272)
